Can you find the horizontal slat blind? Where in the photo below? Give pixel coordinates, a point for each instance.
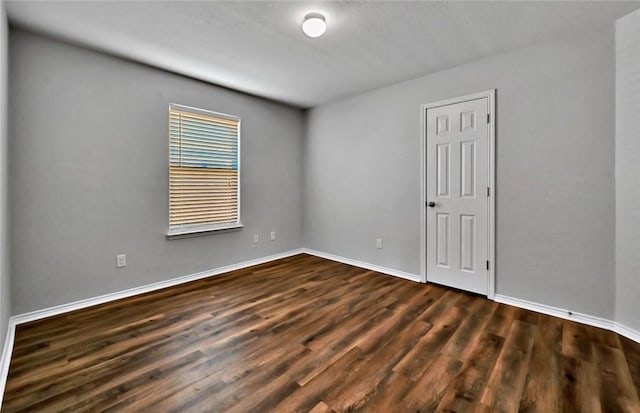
(203, 169)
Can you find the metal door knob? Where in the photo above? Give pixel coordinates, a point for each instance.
(431, 204)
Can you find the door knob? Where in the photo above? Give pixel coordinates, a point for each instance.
(431, 204)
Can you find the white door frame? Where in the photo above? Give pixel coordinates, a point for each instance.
(491, 233)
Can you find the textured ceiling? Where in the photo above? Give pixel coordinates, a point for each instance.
(258, 47)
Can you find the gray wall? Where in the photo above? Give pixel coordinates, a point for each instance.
(5, 296)
(88, 174)
(628, 170)
(555, 171)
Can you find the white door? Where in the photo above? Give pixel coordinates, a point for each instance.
(457, 161)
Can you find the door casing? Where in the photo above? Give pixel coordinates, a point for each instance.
(491, 254)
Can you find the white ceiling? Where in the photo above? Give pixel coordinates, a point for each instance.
(259, 48)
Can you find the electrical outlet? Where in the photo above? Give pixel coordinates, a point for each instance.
(256, 238)
(273, 235)
(379, 243)
(121, 261)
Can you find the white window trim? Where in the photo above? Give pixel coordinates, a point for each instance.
(200, 229)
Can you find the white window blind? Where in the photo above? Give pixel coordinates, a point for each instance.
(204, 170)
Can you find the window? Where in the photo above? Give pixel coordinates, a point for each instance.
(204, 170)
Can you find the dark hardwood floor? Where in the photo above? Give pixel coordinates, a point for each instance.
(312, 335)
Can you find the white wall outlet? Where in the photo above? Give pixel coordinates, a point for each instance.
(379, 243)
(273, 235)
(256, 238)
(121, 261)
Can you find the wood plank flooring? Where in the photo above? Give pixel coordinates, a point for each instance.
(305, 334)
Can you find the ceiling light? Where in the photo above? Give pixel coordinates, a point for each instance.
(314, 25)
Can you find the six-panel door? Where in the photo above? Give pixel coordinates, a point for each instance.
(457, 182)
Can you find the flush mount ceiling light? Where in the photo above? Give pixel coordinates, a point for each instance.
(314, 24)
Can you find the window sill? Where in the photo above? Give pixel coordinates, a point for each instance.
(200, 231)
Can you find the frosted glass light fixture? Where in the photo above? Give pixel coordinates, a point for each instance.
(314, 25)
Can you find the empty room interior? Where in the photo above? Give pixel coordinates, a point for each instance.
(297, 206)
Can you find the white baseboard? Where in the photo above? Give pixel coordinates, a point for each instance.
(64, 308)
(556, 312)
(629, 333)
(362, 264)
(6, 356)
(516, 302)
(570, 315)
(77, 305)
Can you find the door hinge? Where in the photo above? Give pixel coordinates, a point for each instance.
(487, 265)
(488, 117)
